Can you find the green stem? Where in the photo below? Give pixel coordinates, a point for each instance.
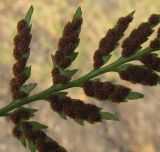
(75, 83)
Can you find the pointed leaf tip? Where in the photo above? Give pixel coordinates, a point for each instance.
(108, 116)
(134, 95)
(78, 13)
(79, 121)
(131, 14)
(29, 14)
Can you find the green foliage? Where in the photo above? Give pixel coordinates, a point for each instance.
(108, 116)
(27, 88)
(134, 95)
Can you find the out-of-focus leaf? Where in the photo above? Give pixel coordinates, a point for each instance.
(31, 146)
(62, 115)
(79, 121)
(108, 116)
(134, 95)
(23, 141)
(38, 126)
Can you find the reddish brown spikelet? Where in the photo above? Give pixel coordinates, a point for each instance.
(154, 19)
(19, 114)
(21, 42)
(87, 87)
(73, 26)
(28, 133)
(58, 78)
(106, 90)
(98, 90)
(55, 103)
(68, 43)
(109, 42)
(158, 33)
(151, 61)
(50, 146)
(16, 132)
(92, 110)
(97, 57)
(76, 108)
(123, 23)
(136, 38)
(19, 66)
(155, 44)
(119, 93)
(21, 25)
(39, 137)
(141, 75)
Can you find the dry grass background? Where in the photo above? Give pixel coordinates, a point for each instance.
(139, 127)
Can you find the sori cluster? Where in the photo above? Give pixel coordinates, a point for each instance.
(31, 133)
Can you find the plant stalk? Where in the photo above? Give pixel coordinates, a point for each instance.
(75, 83)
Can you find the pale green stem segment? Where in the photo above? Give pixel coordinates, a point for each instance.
(75, 83)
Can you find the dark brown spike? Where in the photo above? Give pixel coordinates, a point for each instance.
(155, 44)
(119, 94)
(28, 132)
(19, 114)
(76, 108)
(109, 42)
(16, 132)
(137, 74)
(21, 25)
(136, 38)
(87, 87)
(154, 19)
(151, 61)
(58, 78)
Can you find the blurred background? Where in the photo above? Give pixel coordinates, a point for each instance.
(139, 127)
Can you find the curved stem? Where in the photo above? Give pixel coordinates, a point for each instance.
(75, 83)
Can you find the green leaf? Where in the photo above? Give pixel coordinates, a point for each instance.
(27, 88)
(32, 111)
(27, 72)
(62, 94)
(70, 73)
(78, 13)
(73, 56)
(38, 126)
(108, 116)
(106, 58)
(31, 146)
(134, 95)
(131, 14)
(29, 14)
(79, 121)
(62, 115)
(23, 141)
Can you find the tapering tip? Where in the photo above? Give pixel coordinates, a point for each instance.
(131, 14)
(78, 12)
(29, 14)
